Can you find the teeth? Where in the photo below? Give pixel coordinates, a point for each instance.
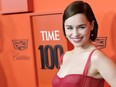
(77, 39)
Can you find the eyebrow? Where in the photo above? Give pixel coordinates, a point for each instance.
(77, 25)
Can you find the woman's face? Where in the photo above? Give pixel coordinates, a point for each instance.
(77, 29)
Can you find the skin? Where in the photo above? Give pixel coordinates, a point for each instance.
(77, 29)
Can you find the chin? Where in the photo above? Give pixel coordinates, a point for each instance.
(77, 44)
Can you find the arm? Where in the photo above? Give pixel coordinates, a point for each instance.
(105, 66)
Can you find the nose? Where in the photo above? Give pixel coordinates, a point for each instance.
(75, 32)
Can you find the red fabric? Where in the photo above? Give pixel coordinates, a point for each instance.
(78, 80)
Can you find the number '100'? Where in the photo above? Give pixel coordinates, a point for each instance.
(53, 56)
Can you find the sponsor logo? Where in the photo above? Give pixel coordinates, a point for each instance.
(20, 56)
(20, 44)
(100, 42)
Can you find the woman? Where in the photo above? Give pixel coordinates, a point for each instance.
(85, 65)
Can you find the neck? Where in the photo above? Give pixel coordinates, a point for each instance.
(84, 47)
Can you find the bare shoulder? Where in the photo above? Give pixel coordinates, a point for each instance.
(105, 66)
(98, 57)
(68, 53)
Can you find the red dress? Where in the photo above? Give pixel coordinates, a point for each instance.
(78, 80)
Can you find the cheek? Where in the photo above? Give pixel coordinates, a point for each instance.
(87, 35)
(82, 32)
(67, 32)
(86, 32)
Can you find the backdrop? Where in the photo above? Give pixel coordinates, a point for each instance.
(31, 39)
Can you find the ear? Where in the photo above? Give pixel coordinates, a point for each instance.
(92, 25)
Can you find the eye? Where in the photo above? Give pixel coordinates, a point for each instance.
(69, 28)
(82, 27)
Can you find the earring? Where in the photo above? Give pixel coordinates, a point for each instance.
(92, 35)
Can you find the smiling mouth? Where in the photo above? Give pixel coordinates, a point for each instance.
(77, 40)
